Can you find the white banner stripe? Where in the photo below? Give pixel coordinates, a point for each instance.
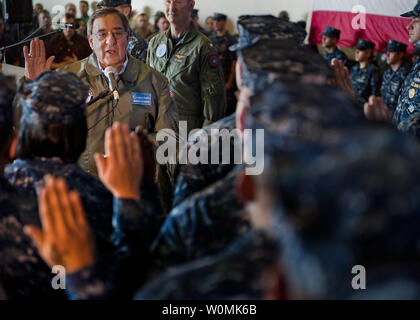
(392, 8)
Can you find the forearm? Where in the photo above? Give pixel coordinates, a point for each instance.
(136, 222)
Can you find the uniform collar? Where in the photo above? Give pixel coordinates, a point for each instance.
(191, 33)
(128, 72)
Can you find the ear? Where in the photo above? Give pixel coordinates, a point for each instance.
(90, 39)
(245, 188)
(127, 11)
(13, 146)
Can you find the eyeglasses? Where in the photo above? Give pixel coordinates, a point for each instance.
(116, 34)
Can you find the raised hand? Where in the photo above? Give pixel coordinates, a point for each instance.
(121, 170)
(65, 238)
(376, 110)
(35, 60)
(342, 76)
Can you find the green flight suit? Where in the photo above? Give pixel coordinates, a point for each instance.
(193, 70)
(145, 99)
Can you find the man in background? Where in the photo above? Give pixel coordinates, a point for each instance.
(68, 47)
(395, 75)
(330, 38)
(222, 40)
(84, 9)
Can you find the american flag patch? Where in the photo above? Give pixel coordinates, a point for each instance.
(171, 92)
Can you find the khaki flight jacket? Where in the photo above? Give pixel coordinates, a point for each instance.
(145, 99)
(193, 70)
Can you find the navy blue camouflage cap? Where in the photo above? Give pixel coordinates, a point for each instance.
(395, 46)
(270, 60)
(363, 44)
(194, 13)
(54, 98)
(7, 94)
(219, 16)
(252, 29)
(331, 32)
(413, 13)
(112, 3)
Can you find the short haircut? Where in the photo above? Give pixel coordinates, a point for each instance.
(106, 12)
(85, 2)
(64, 141)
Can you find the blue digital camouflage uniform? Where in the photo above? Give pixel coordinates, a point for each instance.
(29, 175)
(337, 53)
(239, 272)
(135, 224)
(23, 274)
(137, 46)
(409, 101)
(393, 80)
(203, 224)
(391, 85)
(366, 82)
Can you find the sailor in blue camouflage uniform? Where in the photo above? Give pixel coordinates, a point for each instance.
(409, 101)
(365, 75)
(330, 38)
(137, 45)
(395, 75)
(52, 135)
(199, 208)
(223, 40)
(23, 274)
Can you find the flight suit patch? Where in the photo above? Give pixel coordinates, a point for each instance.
(179, 58)
(143, 99)
(161, 50)
(214, 61)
